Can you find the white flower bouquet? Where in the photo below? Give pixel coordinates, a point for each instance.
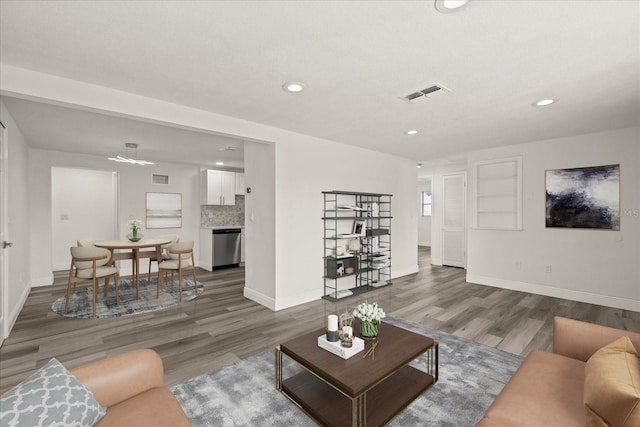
(370, 315)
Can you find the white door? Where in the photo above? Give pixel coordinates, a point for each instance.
(454, 220)
(83, 205)
(3, 227)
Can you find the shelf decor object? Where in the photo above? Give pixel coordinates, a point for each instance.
(361, 224)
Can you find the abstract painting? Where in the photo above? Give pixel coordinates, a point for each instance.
(584, 197)
(163, 210)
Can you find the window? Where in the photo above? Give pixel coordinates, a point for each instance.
(426, 203)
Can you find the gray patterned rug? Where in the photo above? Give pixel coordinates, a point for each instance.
(80, 302)
(244, 394)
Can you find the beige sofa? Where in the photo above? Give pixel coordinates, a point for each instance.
(548, 389)
(131, 387)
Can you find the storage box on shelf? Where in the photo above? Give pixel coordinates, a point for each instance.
(357, 243)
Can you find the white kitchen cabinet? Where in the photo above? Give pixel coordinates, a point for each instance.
(218, 188)
(240, 183)
(205, 254)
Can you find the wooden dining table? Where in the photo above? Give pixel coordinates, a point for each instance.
(132, 251)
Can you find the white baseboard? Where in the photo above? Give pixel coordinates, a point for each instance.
(550, 291)
(282, 303)
(404, 272)
(436, 261)
(206, 265)
(259, 298)
(41, 281)
(424, 243)
(13, 316)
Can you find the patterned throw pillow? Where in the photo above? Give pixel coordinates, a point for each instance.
(50, 397)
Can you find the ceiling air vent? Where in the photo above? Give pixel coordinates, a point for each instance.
(231, 148)
(430, 92)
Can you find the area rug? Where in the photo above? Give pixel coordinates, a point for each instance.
(80, 302)
(243, 394)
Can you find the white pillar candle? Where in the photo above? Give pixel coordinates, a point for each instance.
(332, 322)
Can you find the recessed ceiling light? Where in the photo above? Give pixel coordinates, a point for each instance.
(544, 102)
(412, 132)
(448, 6)
(220, 163)
(293, 87)
(419, 165)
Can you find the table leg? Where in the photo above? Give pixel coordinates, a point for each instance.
(136, 271)
(359, 411)
(278, 365)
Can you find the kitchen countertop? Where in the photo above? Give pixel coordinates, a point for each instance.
(220, 227)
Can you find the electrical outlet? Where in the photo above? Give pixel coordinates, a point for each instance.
(548, 269)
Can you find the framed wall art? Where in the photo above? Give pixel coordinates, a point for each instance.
(163, 210)
(586, 197)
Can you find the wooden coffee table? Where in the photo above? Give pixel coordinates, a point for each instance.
(357, 391)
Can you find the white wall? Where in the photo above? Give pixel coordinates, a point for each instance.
(134, 182)
(18, 230)
(307, 166)
(600, 267)
(72, 191)
(424, 222)
(260, 220)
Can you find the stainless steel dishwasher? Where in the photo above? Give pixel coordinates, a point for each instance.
(226, 247)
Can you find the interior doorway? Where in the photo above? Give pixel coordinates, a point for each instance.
(4, 162)
(83, 205)
(454, 220)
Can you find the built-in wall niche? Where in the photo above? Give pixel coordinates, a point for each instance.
(497, 194)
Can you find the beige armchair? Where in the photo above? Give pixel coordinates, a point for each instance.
(89, 264)
(180, 258)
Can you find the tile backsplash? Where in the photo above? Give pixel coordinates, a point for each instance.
(216, 216)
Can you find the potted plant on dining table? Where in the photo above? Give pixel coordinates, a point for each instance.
(136, 226)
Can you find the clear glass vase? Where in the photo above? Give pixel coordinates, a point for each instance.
(369, 330)
(134, 237)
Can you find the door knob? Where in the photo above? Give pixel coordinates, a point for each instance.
(6, 244)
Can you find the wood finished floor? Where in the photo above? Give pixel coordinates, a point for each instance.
(221, 326)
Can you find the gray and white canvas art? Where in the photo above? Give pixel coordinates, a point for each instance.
(583, 197)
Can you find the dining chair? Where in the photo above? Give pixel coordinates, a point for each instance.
(90, 242)
(89, 264)
(153, 256)
(180, 258)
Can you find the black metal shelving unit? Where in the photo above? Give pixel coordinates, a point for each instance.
(366, 262)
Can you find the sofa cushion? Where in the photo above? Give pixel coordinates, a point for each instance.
(50, 396)
(612, 385)
(547, 388)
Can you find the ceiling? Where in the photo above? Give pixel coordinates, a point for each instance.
(356, 59)
(53, 127)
